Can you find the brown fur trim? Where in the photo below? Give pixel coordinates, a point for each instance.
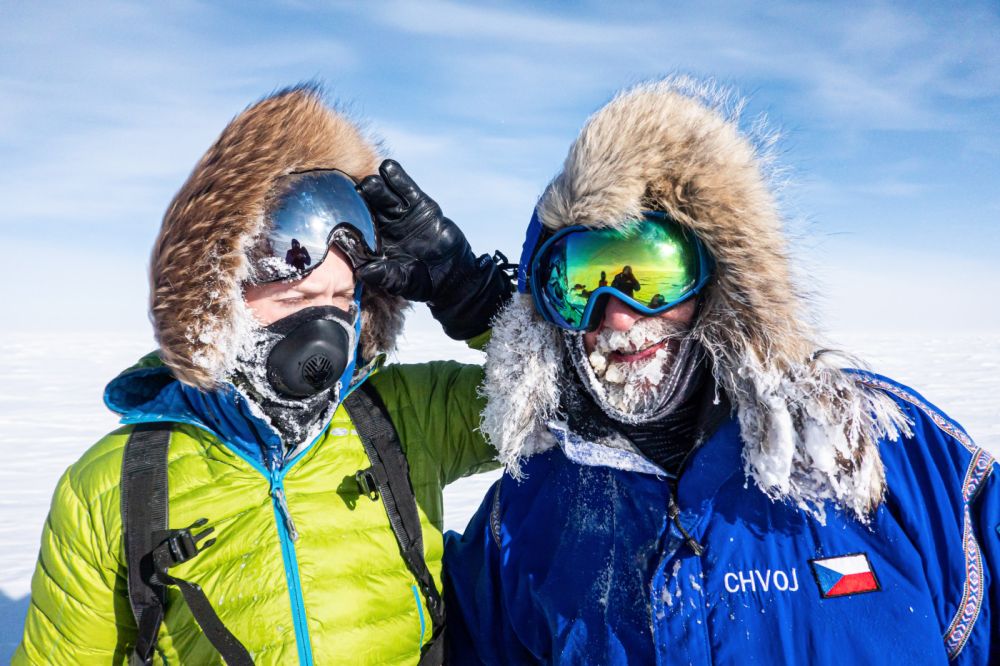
(199, 260)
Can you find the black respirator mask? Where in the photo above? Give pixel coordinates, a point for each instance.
(312, 350)
(297, 370)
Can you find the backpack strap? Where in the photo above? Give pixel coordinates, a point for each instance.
(390, 472)
(144, 510)
(151, 548)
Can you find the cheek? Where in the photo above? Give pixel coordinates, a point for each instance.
(683, 313)
(264, 310)
(589, 341)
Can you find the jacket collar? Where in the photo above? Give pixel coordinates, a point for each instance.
(148, 393)
(710, 465)
(152, 394)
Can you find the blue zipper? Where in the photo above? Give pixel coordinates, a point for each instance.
(287, 534)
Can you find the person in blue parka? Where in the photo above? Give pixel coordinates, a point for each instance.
(700, 482)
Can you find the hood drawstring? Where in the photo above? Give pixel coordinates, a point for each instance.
(674, 513)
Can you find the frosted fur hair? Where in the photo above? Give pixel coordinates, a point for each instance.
(200, 258)
(810, 431)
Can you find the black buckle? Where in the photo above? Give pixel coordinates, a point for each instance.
(179, 546)
(367, 484)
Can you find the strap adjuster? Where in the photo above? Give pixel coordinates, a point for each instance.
(179, 546)
(367, 485)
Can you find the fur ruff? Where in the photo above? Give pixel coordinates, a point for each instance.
(200, 258)
(810, 431)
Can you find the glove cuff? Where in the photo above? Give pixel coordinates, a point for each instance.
(472, 297)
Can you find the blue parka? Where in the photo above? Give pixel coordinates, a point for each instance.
(579, 563)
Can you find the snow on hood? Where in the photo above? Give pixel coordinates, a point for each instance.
(810, 431)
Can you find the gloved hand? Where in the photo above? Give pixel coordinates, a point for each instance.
(427, 258)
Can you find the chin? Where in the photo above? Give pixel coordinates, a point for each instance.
(632, 397)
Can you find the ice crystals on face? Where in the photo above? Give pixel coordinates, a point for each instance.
(635, 386)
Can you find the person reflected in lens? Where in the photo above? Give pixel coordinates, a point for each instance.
(586, 293)
(297, 256)
(626, 282)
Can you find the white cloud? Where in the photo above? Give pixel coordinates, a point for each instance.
(474, 23)
(872, 67)
(106, 110)
(102, 123)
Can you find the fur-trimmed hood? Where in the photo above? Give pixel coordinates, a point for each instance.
(200, 258)
(810, 431)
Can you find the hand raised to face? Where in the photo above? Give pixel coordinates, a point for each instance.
(422, 248)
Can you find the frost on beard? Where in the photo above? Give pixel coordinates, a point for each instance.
(635, 386)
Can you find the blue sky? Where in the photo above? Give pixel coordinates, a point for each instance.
(888, 114)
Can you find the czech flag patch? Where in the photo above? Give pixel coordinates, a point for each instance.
(844, 575)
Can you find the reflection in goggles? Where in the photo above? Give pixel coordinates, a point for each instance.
(316, 209)
(653, 264)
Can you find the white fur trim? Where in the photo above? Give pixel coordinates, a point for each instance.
(524, 370)
(810, 431)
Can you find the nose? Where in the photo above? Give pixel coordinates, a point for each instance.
(618, 316)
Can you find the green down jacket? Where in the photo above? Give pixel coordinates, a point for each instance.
(339, 594)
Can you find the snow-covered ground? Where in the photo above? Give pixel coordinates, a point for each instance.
(51, 411)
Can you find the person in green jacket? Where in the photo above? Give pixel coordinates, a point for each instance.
(268, 395)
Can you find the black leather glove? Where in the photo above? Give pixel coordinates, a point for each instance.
(427, 258)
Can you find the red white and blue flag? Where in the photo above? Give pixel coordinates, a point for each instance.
(844, 575)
